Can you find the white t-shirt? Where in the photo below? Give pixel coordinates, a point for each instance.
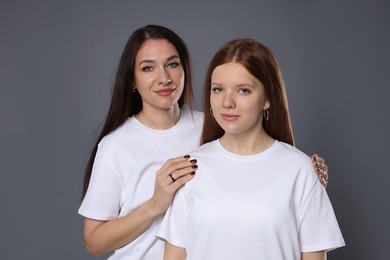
(264, 206)
(124, 171)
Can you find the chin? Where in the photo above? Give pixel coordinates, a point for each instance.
(167, 103)
(232, 131)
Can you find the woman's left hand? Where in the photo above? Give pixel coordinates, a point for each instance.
(320, 168)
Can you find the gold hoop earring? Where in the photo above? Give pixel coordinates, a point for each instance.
(211, 112)
(266, 114)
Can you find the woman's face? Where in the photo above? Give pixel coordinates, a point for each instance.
(159, 75)
(237, 99)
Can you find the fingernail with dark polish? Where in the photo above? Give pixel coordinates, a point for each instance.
(187, 156)
(192, 173)
(194, 166)
(193, 161)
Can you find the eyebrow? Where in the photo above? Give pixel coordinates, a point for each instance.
(151, 61)
(247, 84)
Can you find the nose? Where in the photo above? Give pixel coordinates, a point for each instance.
(164, 78)
(228, 101)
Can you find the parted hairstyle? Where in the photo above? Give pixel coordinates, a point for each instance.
(125, 102)
(260, 63)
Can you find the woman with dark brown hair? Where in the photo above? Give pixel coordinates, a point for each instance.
(255, 195)
(128, 182)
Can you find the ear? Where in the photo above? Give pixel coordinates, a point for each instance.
(267, 105)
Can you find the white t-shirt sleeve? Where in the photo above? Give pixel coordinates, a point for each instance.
(173, 226)
(318, 227)
(102, 200)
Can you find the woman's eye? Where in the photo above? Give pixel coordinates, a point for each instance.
(216, 89)
(244, 91)
(173, 65)
(147, 68)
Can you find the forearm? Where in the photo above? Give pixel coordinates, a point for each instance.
(320, 255)
(102, 237)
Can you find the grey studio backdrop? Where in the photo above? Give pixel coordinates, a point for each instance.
(57, 66)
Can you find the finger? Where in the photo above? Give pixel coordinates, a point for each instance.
(319, 162)
(314, 160)
(173, 163)
(322, 174)
(174, 160)
(180, 168)
(176, 170)
(181, 181)
(172, 178)
(321, 165)
(314, 157)
(177, 174)
(326, 176)
(323, 181)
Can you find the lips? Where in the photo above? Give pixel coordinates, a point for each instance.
(229, 117)
(165, 92)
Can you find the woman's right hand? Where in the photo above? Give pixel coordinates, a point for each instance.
(169, 178)
(105, 236)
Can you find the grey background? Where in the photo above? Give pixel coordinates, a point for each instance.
(57, 65)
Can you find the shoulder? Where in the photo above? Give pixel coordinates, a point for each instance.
(204, 149)
(295, 158)
(293, 152)
(117, 137)
(299, 168)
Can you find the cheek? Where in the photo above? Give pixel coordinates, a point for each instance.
(214, 101)
(254, 107)
(139, 79)
(179, 77)
(144, 81)
(251, 103)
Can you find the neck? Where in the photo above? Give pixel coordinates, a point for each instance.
(246, 145)
(159, 119)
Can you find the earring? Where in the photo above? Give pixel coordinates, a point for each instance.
(211, 112)
(266, 114)
(134, 89)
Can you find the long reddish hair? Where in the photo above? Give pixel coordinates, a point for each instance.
(261, 63)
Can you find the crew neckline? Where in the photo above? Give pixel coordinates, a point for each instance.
(251, 157)
(169, 131)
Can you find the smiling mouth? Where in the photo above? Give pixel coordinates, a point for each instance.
(165, 92)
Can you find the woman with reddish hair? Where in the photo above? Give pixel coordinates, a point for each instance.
(255, 195)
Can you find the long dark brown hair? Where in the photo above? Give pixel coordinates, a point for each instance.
(261, 63)
(125, 102)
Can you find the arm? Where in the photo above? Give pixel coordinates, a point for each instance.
(174, 252)
(320, 255)
(320, 168)
(104, 236)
